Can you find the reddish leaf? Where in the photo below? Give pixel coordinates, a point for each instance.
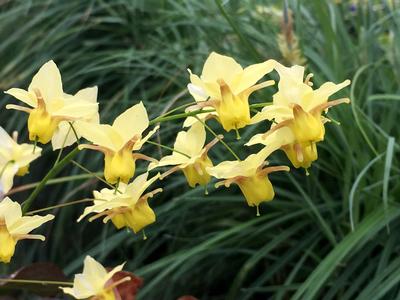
(38, 272)
(186, 297)
(128, 289)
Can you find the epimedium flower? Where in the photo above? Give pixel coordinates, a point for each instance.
(225, 86)
(117, 141)
(297, 113)
(15, 227)
(14, 159)
(51, 111)
(190, 156)
(95, 283)
(251, 175)
(125, 206)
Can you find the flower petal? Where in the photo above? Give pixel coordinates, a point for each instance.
(132, 122)
(99, 134)
(88, 94)
(10, 211)
(26, 224)
(7, 178)
(48, 81)
(322, 94)
(191, 142)
(219, 66)
(24, 96)
(250, 76)
(63, 137)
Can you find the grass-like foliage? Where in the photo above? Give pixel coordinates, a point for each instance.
(330, 235)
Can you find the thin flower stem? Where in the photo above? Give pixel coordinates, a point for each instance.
(29, 186)
(176, 109)
(35, 145)
(94, 175)
(59, 206)
(180, 116)
(222, 142)
(52, 173)
(41, 282)
(168, 148)
(74, 131)
(260, 105)
(116, 186)
(166, 117)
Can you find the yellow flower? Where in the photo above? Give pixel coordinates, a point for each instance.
(14, 227)
(190, 156)
(225, 86)
(250, 175)
(14, 159)
(94, 282)
(125, 207)
(297, 112)
(118, 141)
(52, 109)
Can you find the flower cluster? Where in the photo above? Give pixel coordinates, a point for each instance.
(296, 118)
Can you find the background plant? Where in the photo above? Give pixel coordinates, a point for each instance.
(214, 247)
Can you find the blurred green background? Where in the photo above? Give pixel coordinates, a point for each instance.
(214, 247)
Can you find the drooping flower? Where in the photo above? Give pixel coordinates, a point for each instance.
(51, 111)
(225, 86)
(95, 282)
(250, 175)
(297, 113)
(125, 207)
(190, 156)
(118, 141)
(14, 159)
(15, 227)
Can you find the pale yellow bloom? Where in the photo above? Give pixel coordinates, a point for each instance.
(94, 282)
(14, 159)
(225, 86)
(250, 175)
(125, 207)
(297, 112)
(117, 141)
(15, 227)
(190, 156)
(51, 109)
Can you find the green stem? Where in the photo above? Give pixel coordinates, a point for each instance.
(116, 186)
(260, 105)
(180, 116)
(93, 174)
(29, 186)
(219, 139)
(166, 117)
(59, 206)
(176, 109)
(35, 145)
(74, 131)
(168, 148)
(42, 282)
(52, 173)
